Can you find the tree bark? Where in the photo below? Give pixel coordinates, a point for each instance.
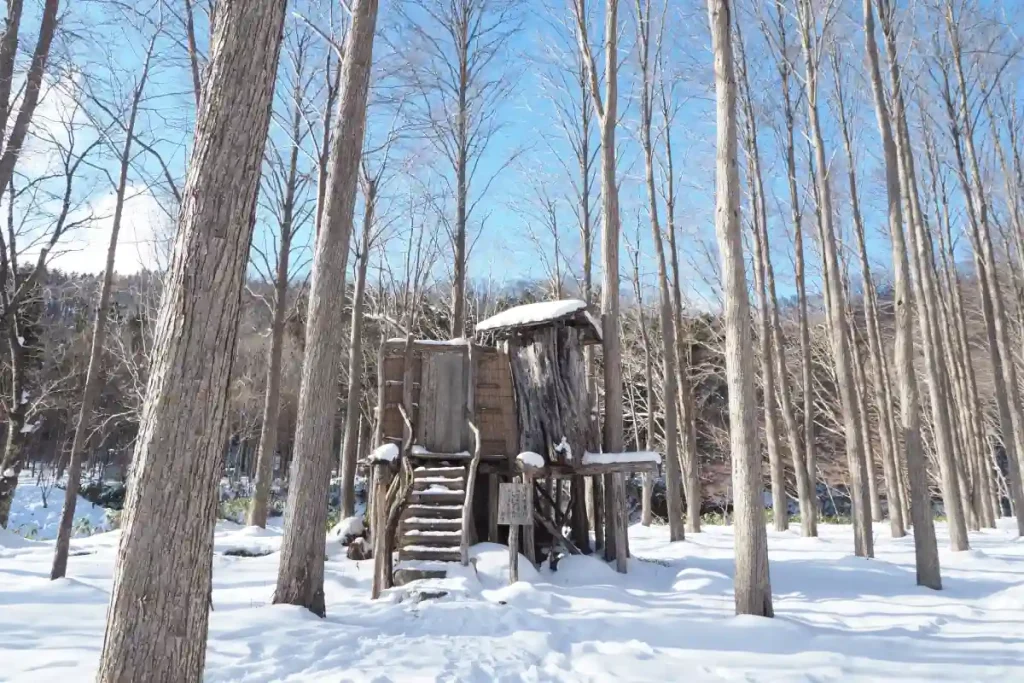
(926, 551)
(167, 566)
(752, 586)
(300, 579)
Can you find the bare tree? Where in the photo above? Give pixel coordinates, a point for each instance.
(752, 585)
(812, 44)
(167, 566)
(301, 574)
(99, 333)
(285, 185)
(926, 550)
(607, 114)
(456, 59)
(665, 308)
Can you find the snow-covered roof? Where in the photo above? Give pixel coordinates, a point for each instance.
(539, 313)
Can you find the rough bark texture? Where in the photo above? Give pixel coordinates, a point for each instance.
(926, 550)
(159, 608)
(300, 579)
(547, 371)
(751, 583)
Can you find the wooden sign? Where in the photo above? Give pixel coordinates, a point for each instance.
(515, 504)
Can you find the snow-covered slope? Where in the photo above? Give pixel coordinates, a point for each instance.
(670, 619)
(36, 508)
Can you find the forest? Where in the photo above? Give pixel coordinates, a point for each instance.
(797, 227)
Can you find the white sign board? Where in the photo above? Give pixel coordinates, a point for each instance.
(515, 504)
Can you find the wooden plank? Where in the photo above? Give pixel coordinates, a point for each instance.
(492, 507)
(513, 553)
(515, 504)
(442, 403)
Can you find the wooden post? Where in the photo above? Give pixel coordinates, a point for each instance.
(382, 475)
(618, 514)
(513, 553)
(530, 533)
(467, 503)
(493, 482)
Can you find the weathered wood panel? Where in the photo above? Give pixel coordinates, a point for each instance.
(441, 426)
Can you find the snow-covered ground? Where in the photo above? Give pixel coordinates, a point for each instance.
(670, 619)
(35, 512)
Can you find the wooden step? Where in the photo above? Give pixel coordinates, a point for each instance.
(438, 496)
(439, 471)
(407, 572)
(423, 454)
(427, 552)
(436, 483)
(432, 524)
(434, 511)
(447, 539)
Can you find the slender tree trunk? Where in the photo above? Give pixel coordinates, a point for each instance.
(809, 507)
(355, 361)
(926, 550)
(668, 330)
(752, 586)
(883, 402)
(1001, 354)
(687, 424)
(161, 597)
(14, 457)
(257, 515)
(300, 579)
(863, 541)
(93, 382)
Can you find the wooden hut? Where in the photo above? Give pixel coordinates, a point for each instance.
(450, 411)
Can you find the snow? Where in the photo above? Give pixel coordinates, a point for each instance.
(531, 459)
(620, 458)
(384, 453)
(458, 341)
(529, 314)
(29, 427)
(417, 449)
(838, 617)
(347, 529)
(34, 518)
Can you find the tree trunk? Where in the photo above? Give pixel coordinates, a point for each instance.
(665, 310)
(99, 334)
(164, 558)
(752, 586)
(863, 540)
(14, 457)
(355, 362)
(300, 579)
(687, 425)
(257, 515)
(926, 551)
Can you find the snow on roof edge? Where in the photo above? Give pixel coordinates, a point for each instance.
(532, 314)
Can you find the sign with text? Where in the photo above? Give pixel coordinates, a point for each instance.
(515, 504)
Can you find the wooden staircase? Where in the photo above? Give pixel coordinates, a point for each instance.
(430, 533)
